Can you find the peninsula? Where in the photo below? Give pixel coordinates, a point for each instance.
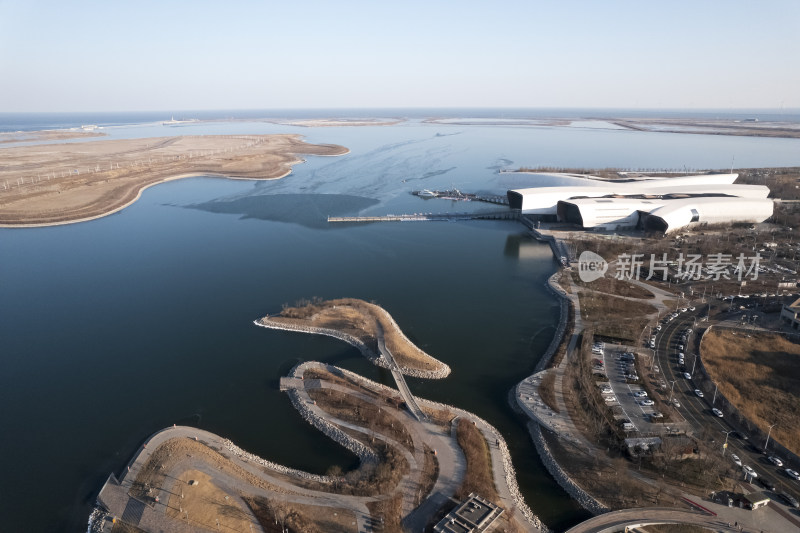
(364, 325)
(49, 184)
(417, 458)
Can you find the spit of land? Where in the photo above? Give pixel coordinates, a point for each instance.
(48, 184)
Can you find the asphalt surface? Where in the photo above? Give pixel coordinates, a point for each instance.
(697, 411)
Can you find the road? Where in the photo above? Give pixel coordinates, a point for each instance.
(696, 410)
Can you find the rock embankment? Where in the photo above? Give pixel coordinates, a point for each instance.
(365, 350)
(510, 476)
(584, 499)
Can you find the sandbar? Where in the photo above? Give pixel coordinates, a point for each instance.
(50, 184)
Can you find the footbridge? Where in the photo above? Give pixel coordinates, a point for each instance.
(397, 374)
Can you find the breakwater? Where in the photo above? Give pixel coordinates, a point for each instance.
(584, 499)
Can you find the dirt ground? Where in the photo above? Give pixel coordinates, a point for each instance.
(206, 505)
(759, 373)
(50, 184)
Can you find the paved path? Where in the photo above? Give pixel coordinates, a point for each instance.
(767, 519)
(151, 516)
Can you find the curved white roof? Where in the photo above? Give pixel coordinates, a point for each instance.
(677, 214)
(543, 200)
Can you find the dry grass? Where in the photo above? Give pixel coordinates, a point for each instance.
(614, 286)
(84, 180)
(478, 477)
(171, 452)
(760, 374)
(609, 479)
(430, 473)
(362, 320)
(299, 517)
(205, 504)
(389, 512)
(614, 317)
(361, 413)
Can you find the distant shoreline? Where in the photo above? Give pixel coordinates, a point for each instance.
(56, 184)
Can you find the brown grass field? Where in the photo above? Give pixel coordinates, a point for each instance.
(48, 184)
(614, 286)
(478, 477)
(362, 320)
(614, 317)
(760, 374)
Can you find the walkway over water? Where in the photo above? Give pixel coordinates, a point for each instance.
(425, 217)
(402, 386)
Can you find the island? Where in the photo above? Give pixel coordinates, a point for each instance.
(49, 184)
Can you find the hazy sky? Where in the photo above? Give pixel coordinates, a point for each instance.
(157, 55)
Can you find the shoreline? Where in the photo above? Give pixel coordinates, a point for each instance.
(116, 491)
(52, 185)
(138, 195)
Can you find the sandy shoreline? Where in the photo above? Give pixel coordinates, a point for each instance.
(44, 185)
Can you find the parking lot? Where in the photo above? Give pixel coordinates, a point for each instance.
(628, 397)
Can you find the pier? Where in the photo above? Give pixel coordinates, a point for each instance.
(426, 217)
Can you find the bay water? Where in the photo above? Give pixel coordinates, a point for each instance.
(115, 328)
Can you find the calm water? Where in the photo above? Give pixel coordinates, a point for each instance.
(115, 328)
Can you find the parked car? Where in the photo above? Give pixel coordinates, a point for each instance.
(792, 473)
(675, 402)
(775, 460)
(647, 401)
(687, 375)
(736, 460)
(699, 393)
(640, 394)
(766, 483)
(749, 471)
(718, 413)
(656, 415)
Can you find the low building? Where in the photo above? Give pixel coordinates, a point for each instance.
(791, 314)
(473, 515)
(754, 500)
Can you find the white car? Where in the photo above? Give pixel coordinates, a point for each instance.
(774, 460)
(658, 327)
(699, 393)
(736, 460)
(647, 402)
(610, 399)
(792, 474)
(675, 402)
(687, 375)
(640, 394)
(752, 473)
(691, 308)
(605, 389)
(683, 310)
(718, 413)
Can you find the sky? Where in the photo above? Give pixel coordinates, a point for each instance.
(194, 55)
